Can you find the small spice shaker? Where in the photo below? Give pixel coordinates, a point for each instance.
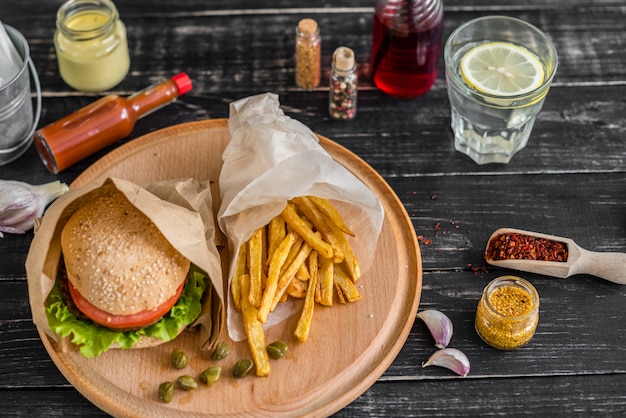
(343, 85)
(508, 313)
(308, 54)
(91, 45)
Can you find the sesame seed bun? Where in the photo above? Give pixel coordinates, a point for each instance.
(117, 258)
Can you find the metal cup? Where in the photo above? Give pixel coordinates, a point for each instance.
(17, 119)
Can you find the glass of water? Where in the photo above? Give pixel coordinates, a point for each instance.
(498, 72)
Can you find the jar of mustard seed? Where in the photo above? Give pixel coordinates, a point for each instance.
(308, 54)
(508, 313)
(91, 45)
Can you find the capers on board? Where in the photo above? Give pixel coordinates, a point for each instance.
(186, 382)
(179, 359)
(277, 349)
(166, 392)
(242, 368)
(210, 375)
(222, 350)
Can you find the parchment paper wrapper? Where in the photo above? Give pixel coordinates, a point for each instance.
(270, 159)
(181, 210)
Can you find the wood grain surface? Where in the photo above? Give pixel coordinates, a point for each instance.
(569, 181)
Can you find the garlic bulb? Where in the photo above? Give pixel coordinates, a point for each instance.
(450, 358)
(22, 203)
(439, 325)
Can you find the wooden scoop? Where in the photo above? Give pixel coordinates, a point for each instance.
(608, 266)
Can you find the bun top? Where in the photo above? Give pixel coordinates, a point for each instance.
(117, 258)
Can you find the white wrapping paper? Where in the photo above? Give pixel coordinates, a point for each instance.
(270, 159)
(10, 60)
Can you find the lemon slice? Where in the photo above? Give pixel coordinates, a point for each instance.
(501, 69)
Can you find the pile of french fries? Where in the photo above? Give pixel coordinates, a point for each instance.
(302, 253)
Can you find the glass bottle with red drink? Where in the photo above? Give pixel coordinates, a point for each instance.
(406, 45)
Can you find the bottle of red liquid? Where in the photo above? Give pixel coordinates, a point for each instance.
(406, 45)
(102, 123)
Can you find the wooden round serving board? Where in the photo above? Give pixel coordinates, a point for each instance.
(349, 346)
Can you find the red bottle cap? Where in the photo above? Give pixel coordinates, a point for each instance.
(183, 83)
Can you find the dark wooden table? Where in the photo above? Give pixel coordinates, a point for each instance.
(569, 181)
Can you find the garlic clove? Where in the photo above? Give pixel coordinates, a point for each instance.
(439, 325)
(451, 359)
(21, 203)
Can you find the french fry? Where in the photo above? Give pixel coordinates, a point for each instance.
(240, 268)
(349, 259)
(254, 330)
(255, 266)
(331, 213)
(263, 254)
(306, 317)
(325, 280)
(306, 206)
(275, 266)
(340, 296)
(290, 273)
(293, 253)
(294, 220)
(296, 289)
(276, 232)
(303, 273)
(347, 286)
(313, 263)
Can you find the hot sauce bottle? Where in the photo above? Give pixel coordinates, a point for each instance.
(102, 123)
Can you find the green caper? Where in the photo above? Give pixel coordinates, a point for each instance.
(186, 382)
(277, 349)
(242, 368)
(179, 359)
(166, 392)
(222, 350)
(210, 375)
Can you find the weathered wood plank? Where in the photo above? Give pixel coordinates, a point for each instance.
(246, 51)
(579, 396)
(467, 209)
(574, 396)
(579, 331)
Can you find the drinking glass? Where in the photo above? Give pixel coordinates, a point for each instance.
(491, 128)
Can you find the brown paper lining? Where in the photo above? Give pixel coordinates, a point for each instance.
(181, 210)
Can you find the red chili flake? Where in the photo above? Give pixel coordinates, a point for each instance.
(427, 242)
(525, 247)
(434, 197)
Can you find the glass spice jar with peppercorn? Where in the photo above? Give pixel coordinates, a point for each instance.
(508, 313)
(343, 85)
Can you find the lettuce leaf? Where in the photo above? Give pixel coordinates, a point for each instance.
(94, 339)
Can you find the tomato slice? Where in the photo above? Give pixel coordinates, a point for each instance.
(122, 322)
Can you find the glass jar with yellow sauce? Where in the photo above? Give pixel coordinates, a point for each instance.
(508, 313)
(91, 45)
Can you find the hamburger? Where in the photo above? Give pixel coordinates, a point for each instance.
(120, 283)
